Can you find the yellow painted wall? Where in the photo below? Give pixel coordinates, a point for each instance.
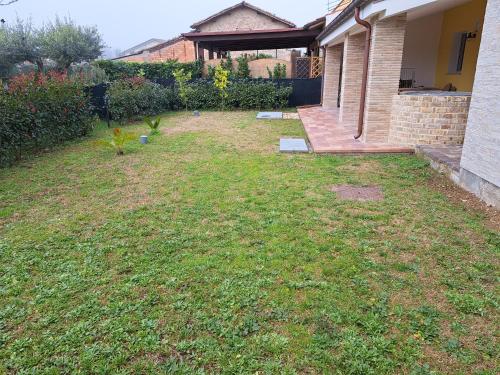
(460, 19)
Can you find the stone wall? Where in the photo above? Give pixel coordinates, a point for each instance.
(481, 152)
(242, 19)
(426, 119)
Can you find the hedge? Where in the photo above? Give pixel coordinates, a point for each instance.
(132, 98)
(37, 112)
(116, 70)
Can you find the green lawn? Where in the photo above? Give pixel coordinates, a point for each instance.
(207, 251)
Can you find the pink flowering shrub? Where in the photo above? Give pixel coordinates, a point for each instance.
(40, 111)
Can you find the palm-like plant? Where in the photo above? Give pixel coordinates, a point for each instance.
(118, 141)
(153, 125)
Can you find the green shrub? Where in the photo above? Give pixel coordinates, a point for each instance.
(134, 97)
(242, 94)
(117, 70)
(243, 71)
(41, 111)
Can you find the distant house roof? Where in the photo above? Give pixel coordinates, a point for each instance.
(341, 6)
(243, 4)
(142, 46)
(155, 47)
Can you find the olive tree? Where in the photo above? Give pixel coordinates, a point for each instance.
(21, 42)
(67, 43)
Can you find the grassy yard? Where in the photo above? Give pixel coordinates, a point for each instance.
(207, 251)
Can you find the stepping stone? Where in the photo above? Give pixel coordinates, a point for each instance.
(293, 145)
(269, 115)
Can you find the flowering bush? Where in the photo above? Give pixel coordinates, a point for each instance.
(39, 111)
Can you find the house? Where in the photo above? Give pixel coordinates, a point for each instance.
(244, 29)
(142, 46)
(178, 48)
(419, 73)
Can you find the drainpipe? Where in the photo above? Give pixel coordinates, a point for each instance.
(366, 58)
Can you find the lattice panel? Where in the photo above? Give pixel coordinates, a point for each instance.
(303, 67)
(316, 67)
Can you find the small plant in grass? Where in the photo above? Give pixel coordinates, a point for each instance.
(181, 79)
(221, 81)
(118, 140)
(153, 125)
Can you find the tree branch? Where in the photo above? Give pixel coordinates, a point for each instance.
(7, 2)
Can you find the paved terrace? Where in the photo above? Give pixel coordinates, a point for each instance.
(327, 135)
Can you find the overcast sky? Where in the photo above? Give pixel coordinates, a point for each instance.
(124, 23)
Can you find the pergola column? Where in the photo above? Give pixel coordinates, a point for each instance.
(351, 78)
(384, 72)
(331, 77)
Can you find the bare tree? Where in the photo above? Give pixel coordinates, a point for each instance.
(7, 2)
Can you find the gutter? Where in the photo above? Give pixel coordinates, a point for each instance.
(348, 12)
(366, 59)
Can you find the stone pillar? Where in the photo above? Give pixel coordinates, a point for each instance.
(332, 75)
(351, 79)
(384, 72)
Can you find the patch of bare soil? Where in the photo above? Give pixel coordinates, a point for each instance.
(358, 193)
(467, 200)
(291, 116)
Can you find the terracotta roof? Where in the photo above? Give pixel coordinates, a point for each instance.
(243, 4)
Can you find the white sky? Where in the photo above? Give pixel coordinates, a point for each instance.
(124, 23)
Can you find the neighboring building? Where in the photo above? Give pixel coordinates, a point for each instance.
(244, 17)
(141, 47)
(420, 51)
(178, 48)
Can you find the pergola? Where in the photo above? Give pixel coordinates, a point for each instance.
(250, 40)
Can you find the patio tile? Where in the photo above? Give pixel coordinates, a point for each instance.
(327, 135)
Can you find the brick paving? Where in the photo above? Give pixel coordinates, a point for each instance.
(327, 135)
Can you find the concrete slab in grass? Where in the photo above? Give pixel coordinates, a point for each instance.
(293, 145)
(269, 115)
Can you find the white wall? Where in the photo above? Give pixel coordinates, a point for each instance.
(481, 152)
(421, 48)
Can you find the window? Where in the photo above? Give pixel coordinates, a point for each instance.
(457, 53)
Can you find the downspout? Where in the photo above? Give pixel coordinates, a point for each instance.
(366, 59)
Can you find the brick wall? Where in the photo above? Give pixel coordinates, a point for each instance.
(258, 68)
(351, 78)
(183, 51)
(386, 54)
(332, 73)
(242, 19)
(428, 120)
